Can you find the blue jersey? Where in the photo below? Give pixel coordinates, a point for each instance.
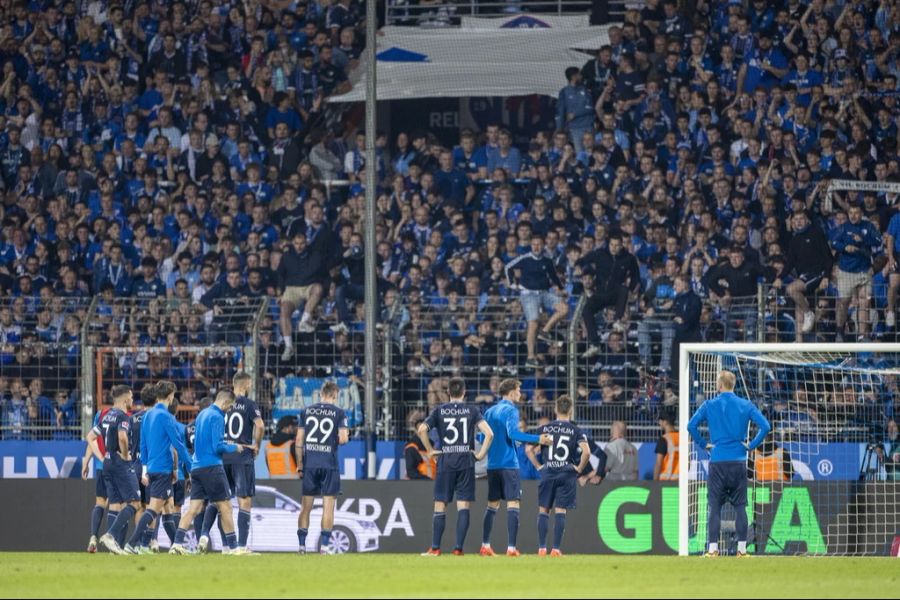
(321, 423)
(456, 424)
(162, 434)
(134, 440)
(239, 428)
(190, 430)
(503, 419)
(109, 427)
(564, 454)
(209, 439)
(728, 416)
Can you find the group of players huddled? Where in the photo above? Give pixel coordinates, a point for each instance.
(145, 459)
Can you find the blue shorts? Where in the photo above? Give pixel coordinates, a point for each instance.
(557, 490)
(121, 483)
(461, 482)
(503, 484)
(210, 483)
(178, 492)
(100, 483)
(321, 482)
(727, 483)
(533, 300)
(160, 485)
(242, 479)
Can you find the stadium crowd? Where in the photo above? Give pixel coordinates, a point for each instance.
(176, 157)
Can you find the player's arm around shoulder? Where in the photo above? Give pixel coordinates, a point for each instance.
(531, 451)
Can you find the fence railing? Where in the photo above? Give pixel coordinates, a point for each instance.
(865, 315)
(40, 360)
(59, 359)
(484, 339)
(134, 341)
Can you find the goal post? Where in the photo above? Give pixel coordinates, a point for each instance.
(827, 480)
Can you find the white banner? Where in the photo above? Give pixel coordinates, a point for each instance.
(456, 63)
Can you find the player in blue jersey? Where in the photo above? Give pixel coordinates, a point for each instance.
(243, 425)
(172, 510)
(208, 479)
(94, 451)
(118, 465)
(456, 425)
(728, 416)
(559, 470)
(503, 464)
(190, 431)
(161, 435)
(324, 428)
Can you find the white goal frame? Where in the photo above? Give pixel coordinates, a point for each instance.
(684, 406)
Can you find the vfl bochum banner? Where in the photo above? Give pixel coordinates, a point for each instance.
(61, 460)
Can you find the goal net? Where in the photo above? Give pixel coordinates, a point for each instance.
(827, 479)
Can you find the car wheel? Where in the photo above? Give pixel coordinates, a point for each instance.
(343, 540)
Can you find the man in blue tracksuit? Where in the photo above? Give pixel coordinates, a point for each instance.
(160, 434)
(503, 464)
(208, 479)
(854, 242)
(575, 109)
(728, 416)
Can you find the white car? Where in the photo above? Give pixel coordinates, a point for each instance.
(273, 527)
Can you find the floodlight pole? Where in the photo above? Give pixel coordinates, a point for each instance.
(371, 297)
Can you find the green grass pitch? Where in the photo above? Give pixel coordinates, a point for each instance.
(52, 575)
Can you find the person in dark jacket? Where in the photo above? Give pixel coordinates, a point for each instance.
(540, 287)
(228, 301)
(809, 256)
(735, 284)
(616, 274)
(353, 285)
(285, 153)
(686, 315)
(299, 282)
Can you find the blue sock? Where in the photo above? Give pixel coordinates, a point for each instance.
(326, 538)
(198, 524)
(222, 529)
(543, 523)
(462, 527)
(170, 524)
(559, 528)
(512, 525)
(142, 526)
(489, 515)
(120, 527)
(111, 517)
(150, 532)
(243, 527)
(231, 540)
(438, 523)
(301, 538)
(96, 520)
(208, 517)
(179, 536)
